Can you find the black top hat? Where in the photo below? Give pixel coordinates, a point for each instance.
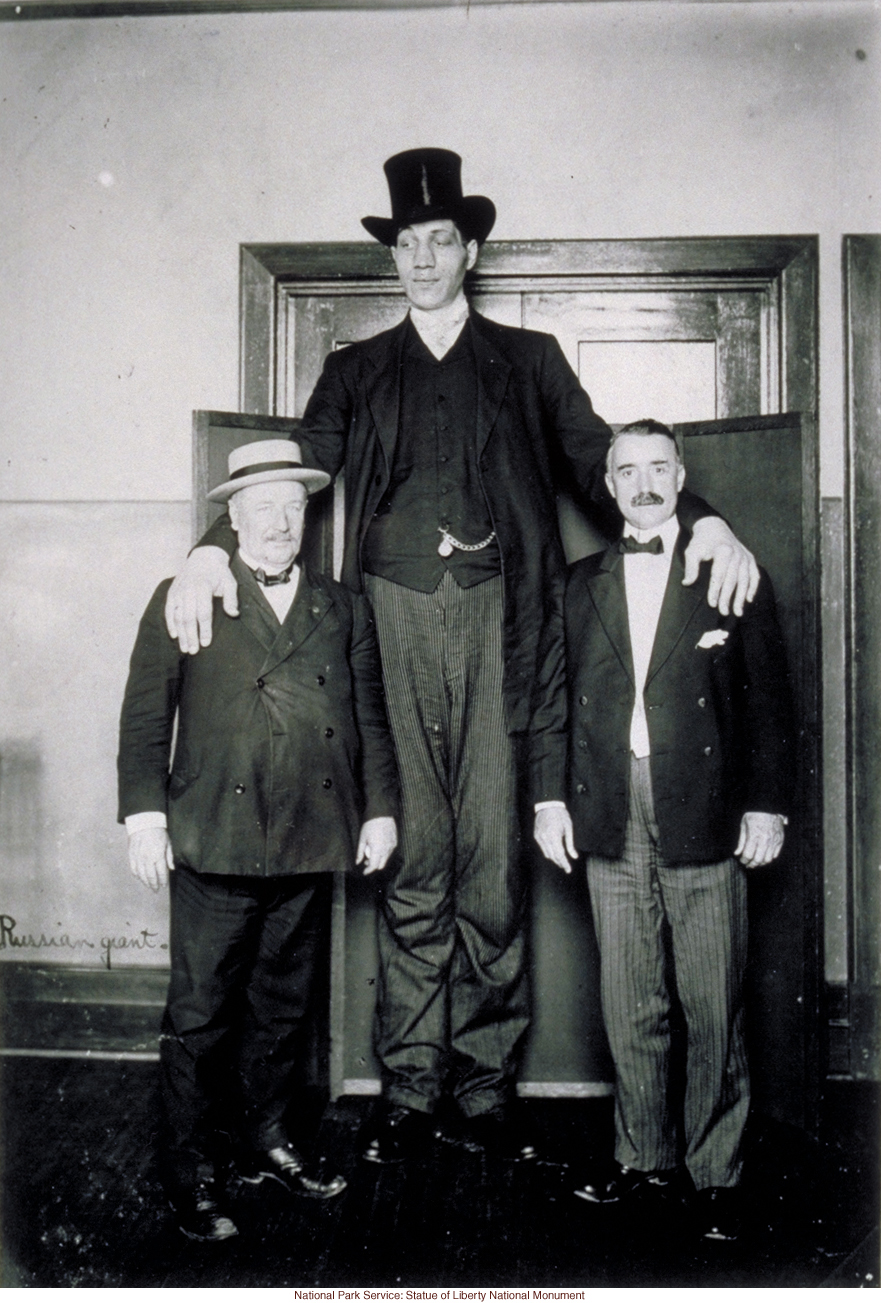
(425, 185)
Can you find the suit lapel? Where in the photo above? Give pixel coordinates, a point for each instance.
(492, 380)
(383, 388)
(677, 610)
(608, 595)
(279, 641)
(255, 613)
(308, 609)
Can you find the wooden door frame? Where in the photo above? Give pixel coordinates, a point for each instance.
(784, 269)
(855, 1002)
(784, 266)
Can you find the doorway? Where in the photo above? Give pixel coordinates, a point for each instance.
(707, 334)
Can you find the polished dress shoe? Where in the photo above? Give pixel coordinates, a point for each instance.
(719, 1212)
(199, 1215)
(285, 1165)
(627, 1181)
(402, 1133)
(500, 1134)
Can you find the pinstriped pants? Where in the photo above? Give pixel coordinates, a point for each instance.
(453, 998)
(705, 906)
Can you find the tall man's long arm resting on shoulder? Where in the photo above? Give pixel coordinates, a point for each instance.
(578, 440)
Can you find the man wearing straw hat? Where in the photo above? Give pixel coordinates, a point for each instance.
(282, 750)
(450, 430)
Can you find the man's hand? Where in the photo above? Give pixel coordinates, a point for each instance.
(555, 836)
(734, 567)
(150, 857)
(761, 839)
(378, 839)
(188, 607)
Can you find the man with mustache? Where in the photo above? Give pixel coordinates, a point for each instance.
(450, 430)
(278, 746)
(680, 747)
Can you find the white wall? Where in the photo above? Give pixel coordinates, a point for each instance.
(139, 153)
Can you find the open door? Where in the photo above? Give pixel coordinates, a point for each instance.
(760, 472)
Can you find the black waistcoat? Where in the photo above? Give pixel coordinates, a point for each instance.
(434, 478)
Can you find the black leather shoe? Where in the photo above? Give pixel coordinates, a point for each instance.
(402, 1133)
(288, 1167)
(719, 1213)
(625, 1182)
(500, 1134)
(200, 1216)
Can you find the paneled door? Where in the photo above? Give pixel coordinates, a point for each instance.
(684, 331)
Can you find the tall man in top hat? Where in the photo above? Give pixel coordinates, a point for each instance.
(449, 429)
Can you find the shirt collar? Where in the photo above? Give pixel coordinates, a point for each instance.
(669, 533)
(269, 570)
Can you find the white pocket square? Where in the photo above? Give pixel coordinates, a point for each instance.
(713, 638)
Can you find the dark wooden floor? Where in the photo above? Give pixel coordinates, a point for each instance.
(82, 1205)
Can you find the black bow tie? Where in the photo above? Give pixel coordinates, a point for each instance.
(630, 544)
(268, 581)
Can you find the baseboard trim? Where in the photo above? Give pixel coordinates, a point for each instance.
(135, 1056)
(59, 1010)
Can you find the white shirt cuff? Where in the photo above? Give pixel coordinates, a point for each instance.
(549, 805)
(147, 819)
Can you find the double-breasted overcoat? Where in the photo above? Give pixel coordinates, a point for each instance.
(282, 742)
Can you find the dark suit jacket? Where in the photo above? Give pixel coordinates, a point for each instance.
(719, 718)
(535, 428)
(282, 745)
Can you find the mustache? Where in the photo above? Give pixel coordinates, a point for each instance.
(647, 500)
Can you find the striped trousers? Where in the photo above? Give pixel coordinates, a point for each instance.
(453, 999)
(705, 908)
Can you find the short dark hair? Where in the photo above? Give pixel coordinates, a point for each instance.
(644, 426)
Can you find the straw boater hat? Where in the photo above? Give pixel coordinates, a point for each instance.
(425, 185)
(269, 459)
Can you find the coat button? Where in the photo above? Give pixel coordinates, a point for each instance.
(320, 680)
(582, 745)
(327, 783)
(239, 789)
(583, 701)
(260, 683)
(328, 732)
(580, 788)
(708, 751)
(701, 701)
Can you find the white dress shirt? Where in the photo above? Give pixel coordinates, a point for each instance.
(281, 598)
(645, 582)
